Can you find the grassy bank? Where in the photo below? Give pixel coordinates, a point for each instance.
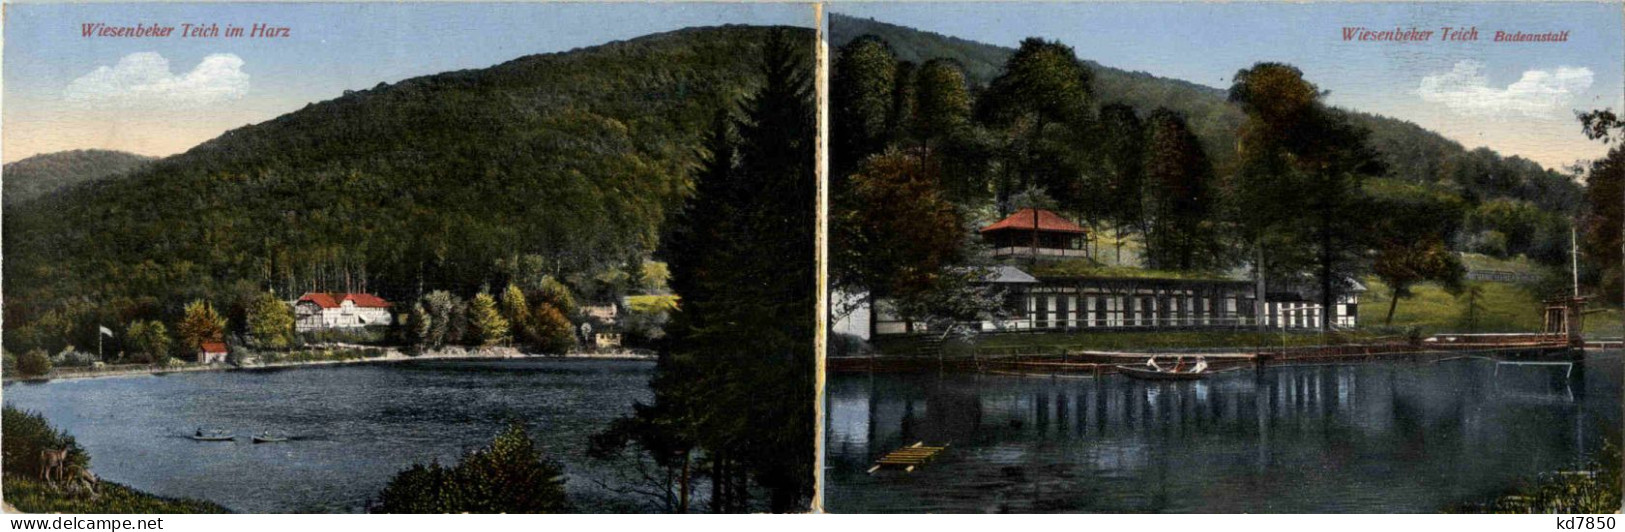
(25, 436)
(652, 303)
(32, 496)
(1604, 324)
(1502, 307)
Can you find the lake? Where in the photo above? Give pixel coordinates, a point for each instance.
(1374, 437)
(354, 426)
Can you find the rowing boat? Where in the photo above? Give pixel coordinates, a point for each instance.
(213, 437)
(1155, 372)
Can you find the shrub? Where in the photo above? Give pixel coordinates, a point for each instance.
(73, 358)
(549, 331)
(149, 341)
(509, 476)
(369, 335)
(24, 434)
(643, 329)
(10, 364)
(1593, 489)
(34, 363)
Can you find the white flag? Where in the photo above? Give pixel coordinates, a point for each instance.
(106, 331)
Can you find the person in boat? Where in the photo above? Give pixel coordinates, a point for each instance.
(200, 432)
(1179, 364)
(1153, 363)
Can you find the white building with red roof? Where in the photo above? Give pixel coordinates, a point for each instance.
(339, 310)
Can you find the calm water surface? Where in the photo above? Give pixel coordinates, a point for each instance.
(355, 426)
(1400, 437)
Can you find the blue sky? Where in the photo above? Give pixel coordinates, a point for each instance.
(1515, 98)
(160, 96)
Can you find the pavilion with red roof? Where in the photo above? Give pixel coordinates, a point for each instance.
(1039, 232)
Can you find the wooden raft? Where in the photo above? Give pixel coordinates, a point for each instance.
(908, 458)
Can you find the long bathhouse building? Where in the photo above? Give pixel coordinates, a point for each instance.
(1128, 300)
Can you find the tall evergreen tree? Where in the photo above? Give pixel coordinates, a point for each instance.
(734, 386)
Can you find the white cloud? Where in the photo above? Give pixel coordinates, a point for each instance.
(1538, 94)
(143, 79)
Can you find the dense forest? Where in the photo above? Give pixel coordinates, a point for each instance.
(43, 174)
(565, 165)
(1515, 205)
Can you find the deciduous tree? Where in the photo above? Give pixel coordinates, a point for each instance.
(901, 236)
(148, 341)
(862, 82)
(1043, 86)
(1605, 199)
(1122, 160)
(200, 323)
(1179, 179)
(1299, 195)
(270, 321)
(549, 330)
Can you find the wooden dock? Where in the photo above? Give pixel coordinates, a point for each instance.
(1058, 360)
(908, 458)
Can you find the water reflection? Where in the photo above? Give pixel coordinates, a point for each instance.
(356, 426)
(1371, 437)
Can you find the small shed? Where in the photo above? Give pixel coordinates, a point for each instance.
(212, 353)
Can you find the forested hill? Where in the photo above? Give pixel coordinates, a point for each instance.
(1411, 152)
(36, 176)
(575, 157)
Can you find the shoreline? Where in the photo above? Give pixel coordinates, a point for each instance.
(1097, 362)
(392, 355)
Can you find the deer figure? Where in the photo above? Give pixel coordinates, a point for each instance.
(52, 461)
(80, 478)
